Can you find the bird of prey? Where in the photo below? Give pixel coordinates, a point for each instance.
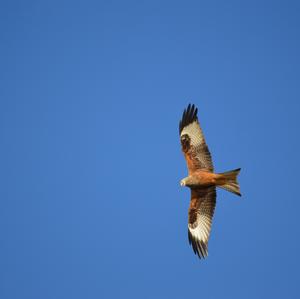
(201, 180)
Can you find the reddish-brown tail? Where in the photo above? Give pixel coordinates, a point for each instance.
(228, 181)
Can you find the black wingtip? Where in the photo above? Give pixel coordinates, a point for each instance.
(189, 116)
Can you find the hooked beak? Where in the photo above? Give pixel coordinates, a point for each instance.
(182, 183)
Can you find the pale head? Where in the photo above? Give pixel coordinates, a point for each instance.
(183, 182)
(189, 181)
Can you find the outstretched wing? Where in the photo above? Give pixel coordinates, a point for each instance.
(193, 142)
(201, 211)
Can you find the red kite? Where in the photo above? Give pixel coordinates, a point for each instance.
(201, 180)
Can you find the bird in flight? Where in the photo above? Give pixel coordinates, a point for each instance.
(201, 180)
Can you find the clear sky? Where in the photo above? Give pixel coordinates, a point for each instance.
(90, 99)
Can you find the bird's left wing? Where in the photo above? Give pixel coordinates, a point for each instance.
(201, 211)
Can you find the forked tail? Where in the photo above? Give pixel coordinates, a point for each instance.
(228, 181)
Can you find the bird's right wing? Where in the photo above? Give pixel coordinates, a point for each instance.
(201, 211)
(193, 143)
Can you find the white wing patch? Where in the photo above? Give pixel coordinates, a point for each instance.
(194, 131)
(202, 229)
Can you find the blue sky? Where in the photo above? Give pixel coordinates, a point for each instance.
(91, 96)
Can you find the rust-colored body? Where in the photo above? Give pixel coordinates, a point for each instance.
(203, 178)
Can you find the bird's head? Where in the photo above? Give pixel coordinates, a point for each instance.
(189, 181)
(183, 182)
